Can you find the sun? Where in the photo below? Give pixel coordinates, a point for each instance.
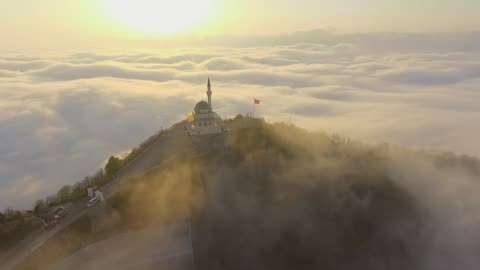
(160, 16)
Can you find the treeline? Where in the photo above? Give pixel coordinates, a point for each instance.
(16, 224)
(69, 193)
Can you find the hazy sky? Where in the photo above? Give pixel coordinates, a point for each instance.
(54, 23)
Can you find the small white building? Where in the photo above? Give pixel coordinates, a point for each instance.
(99, 195)
(94, 192)
(203, 120)
(90, 192)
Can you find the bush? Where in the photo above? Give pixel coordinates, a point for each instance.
(238, 117)
(113, 166)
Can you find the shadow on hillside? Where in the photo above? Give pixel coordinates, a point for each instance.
(304, 201)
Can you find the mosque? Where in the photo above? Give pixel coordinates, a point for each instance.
(203, 120)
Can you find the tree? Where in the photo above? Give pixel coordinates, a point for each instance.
(9, 214)
(64, 193)
(39, 205)
(51, 200)
(238, 117)
(98, 179)
(18, 216)
(3, 219)
(79, 189)
(113, 166)
(13, 215)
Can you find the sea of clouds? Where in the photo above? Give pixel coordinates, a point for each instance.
(62, 114)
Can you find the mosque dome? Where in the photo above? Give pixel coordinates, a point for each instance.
(203, 120)
(201, 107)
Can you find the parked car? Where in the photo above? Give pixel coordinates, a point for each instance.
(49, 225)
(60, 213)
(92, 201)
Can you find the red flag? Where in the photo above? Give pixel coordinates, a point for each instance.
(256, 101)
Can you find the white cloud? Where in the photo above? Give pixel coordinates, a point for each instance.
(62, 115)
(15, 65)
(219, 63)
(65, 72)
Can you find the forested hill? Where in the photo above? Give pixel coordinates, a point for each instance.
(280, 197)
(274, 196)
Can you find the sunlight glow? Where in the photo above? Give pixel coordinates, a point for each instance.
(160, 16)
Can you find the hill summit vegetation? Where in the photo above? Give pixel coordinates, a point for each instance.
(275, 196)
(279, 197)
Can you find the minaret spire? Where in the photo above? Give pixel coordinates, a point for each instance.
(209, 94)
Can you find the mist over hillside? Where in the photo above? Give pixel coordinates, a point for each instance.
(276, 196)
(283, 198)
(279, 197)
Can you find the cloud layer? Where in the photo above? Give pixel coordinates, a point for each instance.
(61, 115)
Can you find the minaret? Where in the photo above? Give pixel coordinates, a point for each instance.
(209, 94)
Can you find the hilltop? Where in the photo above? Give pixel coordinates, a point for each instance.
(275, 196)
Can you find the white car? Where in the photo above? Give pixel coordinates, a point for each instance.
(92, 201)
(60, 213)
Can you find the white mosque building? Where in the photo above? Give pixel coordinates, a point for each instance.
(203, 120)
